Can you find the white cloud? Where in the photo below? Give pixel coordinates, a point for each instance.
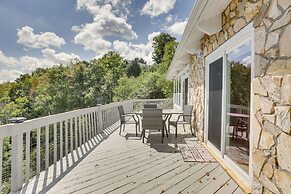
(112, 2)
(7, 61)
(171, 18)
(49, 59)
(105, 23)
(154, 8)
(247, 61)
(131, 51)
(27, 37)
(121, 6)
(9, 75)
(11, 68)
(177, 28)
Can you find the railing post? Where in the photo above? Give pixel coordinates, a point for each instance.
(16, 162)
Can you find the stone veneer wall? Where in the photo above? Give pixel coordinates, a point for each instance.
(197, 90)
(271, 87)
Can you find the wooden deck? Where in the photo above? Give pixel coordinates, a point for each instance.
(123, 164)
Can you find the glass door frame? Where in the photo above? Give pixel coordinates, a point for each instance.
(242, 37)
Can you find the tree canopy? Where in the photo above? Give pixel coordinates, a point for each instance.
(159, 43)
(83, 84)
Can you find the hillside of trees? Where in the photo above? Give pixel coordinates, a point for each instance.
(88, 83)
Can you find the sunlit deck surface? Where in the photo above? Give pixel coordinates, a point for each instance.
(123, 164)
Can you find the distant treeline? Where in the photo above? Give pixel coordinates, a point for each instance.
(86, 84)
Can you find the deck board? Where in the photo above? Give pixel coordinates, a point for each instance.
(115, 164)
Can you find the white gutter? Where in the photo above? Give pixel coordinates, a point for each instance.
(192, 22)
(205, 19)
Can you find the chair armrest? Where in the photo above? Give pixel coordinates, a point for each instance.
(129, 114)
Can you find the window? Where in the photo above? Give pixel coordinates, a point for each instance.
(237, 116)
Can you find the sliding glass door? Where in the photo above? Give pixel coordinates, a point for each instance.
(237, 115)
(228, 89)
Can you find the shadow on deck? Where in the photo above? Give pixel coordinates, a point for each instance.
(123, 164)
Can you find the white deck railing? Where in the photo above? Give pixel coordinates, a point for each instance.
(55, 137)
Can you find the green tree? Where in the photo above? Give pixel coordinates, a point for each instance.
(134, 67)
(126, 89)
(159, 43)
(169, 52)
(114, 66)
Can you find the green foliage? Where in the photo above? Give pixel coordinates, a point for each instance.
(149, 85)
(86, 84)
(240, 84)
(134, 69)
(169, 52)
(159, 43)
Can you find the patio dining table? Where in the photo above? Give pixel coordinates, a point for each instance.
(167, 113)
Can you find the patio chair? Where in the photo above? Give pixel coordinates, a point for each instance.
(150, 106)
(241, 126)
(183, 119)
(124, 120)
(152, 119)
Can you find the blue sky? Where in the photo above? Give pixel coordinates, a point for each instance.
(42, 33)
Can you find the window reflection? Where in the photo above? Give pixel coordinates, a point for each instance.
(238, 105)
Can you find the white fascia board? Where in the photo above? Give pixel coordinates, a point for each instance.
(196, 12)
(204, 10)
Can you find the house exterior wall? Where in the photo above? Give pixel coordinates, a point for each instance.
(196, 95)
(271, 97)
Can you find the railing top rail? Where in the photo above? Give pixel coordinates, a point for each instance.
(151, 100)
(15, 129)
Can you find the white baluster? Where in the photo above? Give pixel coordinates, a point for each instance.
(66, 137)
(76, 132)
(99, 121)
(61, 140)
(47, 146)
(89, 125)
(71, 135)
(80, 131)
(92, 125)
(96, 123)
(84, 129)
(38, 131)
(27, 157)
(55, 143)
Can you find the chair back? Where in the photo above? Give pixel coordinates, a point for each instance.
(121, 113)
(150, 106)
(152, 119)
(187, 111)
